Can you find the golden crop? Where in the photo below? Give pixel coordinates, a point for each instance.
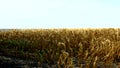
(60, 45)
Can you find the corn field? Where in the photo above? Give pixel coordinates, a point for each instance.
(90, 47)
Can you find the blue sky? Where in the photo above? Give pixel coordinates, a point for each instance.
(59, 13)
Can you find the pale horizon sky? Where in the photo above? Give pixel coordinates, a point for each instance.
(59, 14)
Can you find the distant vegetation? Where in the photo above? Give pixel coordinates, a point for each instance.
(61, 46)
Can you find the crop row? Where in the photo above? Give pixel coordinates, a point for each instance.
(61, 46)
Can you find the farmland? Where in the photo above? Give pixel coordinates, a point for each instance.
(69, 48)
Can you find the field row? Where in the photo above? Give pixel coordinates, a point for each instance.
(62, 46)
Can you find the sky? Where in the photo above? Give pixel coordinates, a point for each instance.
(59, 14)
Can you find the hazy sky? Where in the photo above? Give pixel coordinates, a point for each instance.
(59, 13)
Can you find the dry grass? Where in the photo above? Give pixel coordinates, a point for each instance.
(62, 45)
